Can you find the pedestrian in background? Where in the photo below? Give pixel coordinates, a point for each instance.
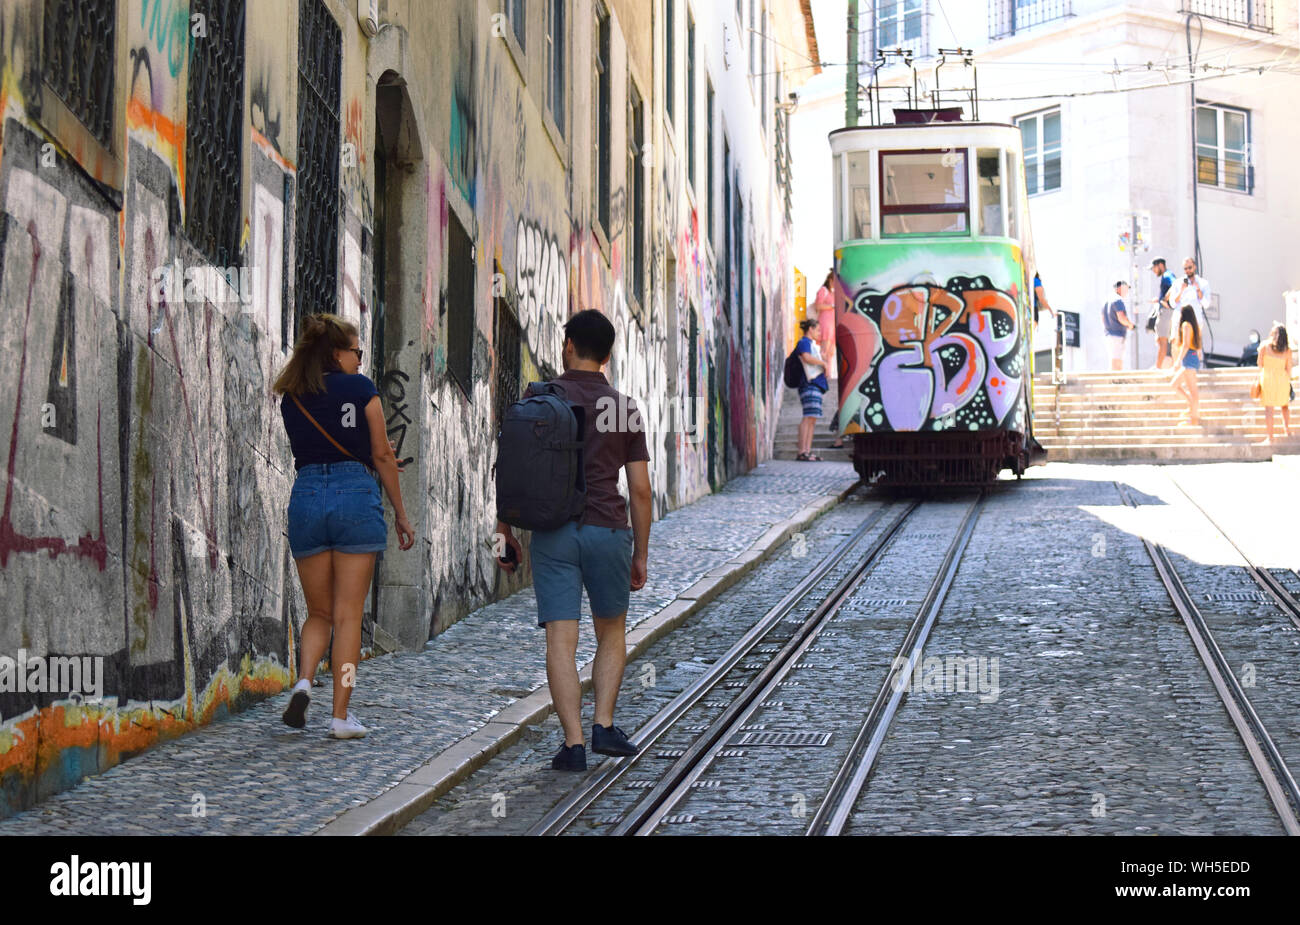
(597, 550)
(825, 304)
(1115, 320)
(1040, 298)
(336, 525)
(1187, 360)
(1192, 290)
(1274, 383)
(814, 386)
(1163, 313)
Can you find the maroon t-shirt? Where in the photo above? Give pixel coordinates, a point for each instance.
(614, 437)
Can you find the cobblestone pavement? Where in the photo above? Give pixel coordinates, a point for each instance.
(1106, 721)
(252, 775)
(518, 786)
(1100, 718)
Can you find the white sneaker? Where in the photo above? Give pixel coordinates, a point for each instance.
(347, 728)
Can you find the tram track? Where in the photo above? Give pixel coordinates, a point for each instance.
(579, 800)
(833, 814)
(1274, 773)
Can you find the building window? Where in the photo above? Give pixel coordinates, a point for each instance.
(924, 192)
(1009, 17)
(762, 68)
(80, 41)
(726, 224)
(460, 304)
(517, 14)
(602, 118)
(859, 165)
(506, 343)
(670, 60)
(691, 102)
(749, 37)
(1253, 14)
(213, 132)
(898, 22)
(555, 62)
(1040, 136)
(711, 210)
(317, 226)
(1223, 148)
(636, 193)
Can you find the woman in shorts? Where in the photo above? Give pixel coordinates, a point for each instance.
(336, 516)
(1186, 350)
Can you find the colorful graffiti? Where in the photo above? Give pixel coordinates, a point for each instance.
(929, 355)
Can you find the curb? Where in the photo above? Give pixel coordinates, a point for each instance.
(416, 792)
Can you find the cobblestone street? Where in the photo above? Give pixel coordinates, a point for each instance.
(1077, 705)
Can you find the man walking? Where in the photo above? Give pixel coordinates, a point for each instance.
(1117, 325)
(1165, 312)
(597, 550)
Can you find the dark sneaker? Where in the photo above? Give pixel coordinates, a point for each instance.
(570, 758)
(610, 740)
(295, 714)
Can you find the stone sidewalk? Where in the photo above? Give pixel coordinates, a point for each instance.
(434, 716)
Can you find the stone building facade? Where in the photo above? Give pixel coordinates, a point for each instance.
(183, 180)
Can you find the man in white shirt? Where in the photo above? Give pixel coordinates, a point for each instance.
(1191, 290)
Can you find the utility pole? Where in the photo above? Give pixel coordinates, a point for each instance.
(851, 72)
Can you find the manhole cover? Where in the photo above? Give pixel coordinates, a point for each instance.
(784, 739)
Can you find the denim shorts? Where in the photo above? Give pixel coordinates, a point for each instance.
(336, 506)
(576, 555)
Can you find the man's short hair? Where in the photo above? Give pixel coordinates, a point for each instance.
(1159, 261)
(592, 334)
(1119, 283)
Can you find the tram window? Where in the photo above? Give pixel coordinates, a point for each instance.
(1012, 173)
(859, 195)
(924, 192)
(989, 175)
(838, 206)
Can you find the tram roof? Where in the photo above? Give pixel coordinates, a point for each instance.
(952, 133)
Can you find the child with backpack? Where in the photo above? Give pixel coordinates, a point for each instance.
(812, 387)
(562, 447)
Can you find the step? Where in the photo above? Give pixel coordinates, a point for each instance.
(1204, 452)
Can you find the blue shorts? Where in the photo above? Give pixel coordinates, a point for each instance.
(336, 506)
(810, 397)
(567, 558)
(1191, 360)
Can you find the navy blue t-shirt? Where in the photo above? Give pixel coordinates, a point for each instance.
(805, 345)
(1166, 281)
(1110, 318)
(341, 410)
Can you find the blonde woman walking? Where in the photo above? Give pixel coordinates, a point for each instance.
(1186, 350)
(1275, 380)
(336, 516)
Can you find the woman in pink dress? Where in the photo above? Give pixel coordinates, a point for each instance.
(825, 306)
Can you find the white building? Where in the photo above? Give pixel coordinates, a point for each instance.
(1101, 91)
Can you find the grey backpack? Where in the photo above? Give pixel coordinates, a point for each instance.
(539, 468)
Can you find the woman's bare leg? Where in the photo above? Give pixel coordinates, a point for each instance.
(352, 574)
(317, 576)
(1268, 423)
(1193, 396)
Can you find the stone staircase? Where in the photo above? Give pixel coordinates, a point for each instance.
(786, 445)
(1133, 415)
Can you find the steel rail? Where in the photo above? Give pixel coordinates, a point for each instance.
(563, 814)
(833, 813)
(1264, 754)
(675, 784)
(1281, 597)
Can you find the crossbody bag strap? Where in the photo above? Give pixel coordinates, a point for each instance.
(338, 446)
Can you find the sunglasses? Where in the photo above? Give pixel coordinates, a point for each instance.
(357, 351)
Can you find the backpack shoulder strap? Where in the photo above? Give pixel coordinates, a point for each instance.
(338, 446)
